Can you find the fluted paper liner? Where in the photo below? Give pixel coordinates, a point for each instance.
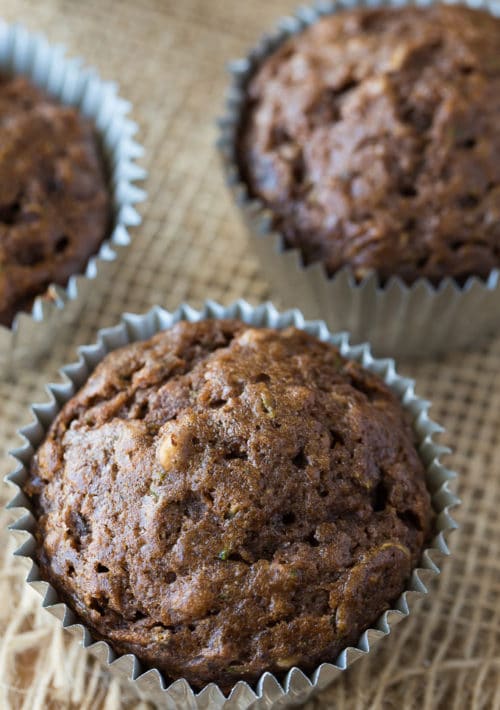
(67, 80)
(397, 319)
(268, 692)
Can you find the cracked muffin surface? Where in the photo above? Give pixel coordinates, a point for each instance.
(223, 500)
(55, 206)
(373, 137)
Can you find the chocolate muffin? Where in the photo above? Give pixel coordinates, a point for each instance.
(222, 500)
(55, 207)
(373, 136)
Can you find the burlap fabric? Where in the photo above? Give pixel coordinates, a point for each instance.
(168, 57)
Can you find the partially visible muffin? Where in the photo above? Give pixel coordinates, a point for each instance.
(55, 205)
(222, 500)
(374, 138)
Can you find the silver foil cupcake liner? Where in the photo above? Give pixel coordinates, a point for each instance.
(269, 692)
(70, 82)
(397, 319)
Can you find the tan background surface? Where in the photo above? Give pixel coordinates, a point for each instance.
(168, 58)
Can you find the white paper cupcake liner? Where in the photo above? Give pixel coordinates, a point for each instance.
(269, 692)
(70, 82)
(397, 319)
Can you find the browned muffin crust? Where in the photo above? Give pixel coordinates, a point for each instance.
(374, 138)
(55, 207)
(222, 500)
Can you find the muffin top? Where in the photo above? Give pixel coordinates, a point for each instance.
(55, 208)
(222, 500)
(374, 138)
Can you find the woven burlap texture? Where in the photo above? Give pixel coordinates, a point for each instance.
(168, 57)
